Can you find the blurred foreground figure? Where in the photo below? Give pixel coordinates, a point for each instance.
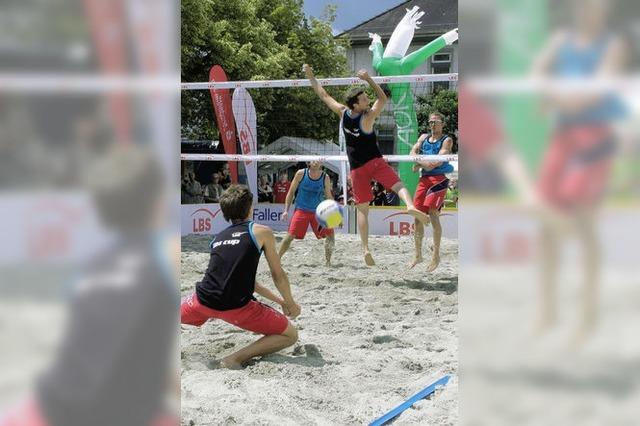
(113, 364)
(577, 163)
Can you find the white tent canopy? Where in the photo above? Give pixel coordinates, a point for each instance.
(289, 145)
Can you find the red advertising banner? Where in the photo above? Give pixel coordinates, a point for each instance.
(221, 100)
(107, 23)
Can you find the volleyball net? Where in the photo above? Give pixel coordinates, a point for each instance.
(269, 128)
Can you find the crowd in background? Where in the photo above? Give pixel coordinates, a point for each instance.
(195, 192)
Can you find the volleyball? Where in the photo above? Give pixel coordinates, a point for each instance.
(329, 214)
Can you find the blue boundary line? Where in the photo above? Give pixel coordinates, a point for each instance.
(409, 402)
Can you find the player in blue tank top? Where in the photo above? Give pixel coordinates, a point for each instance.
(313, 186)
(433, 185)
(579, 156)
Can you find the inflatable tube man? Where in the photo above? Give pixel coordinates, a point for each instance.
(392, 61)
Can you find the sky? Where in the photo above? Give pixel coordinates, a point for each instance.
(350, 12)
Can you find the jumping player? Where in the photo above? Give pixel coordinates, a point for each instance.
(363, 153)
(226, 290)
(313, 186)
(433, 185)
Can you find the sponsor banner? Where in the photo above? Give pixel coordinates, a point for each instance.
(245, 114)
(107, 22)
(201, 219)
(394, 221)
(207, 218)
(221, 100)
(55, 228)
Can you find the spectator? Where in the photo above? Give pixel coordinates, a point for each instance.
(350, 199)
(225, 180)
(379, 198)
(190, 191)
(214, 190)
(196, 189)
(392, 198)
(265, 193)
(451, 198)
(281, 188)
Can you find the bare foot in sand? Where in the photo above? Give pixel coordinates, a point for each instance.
(416, 261)
(435, 261)
(368, 259)
(230, 363)
(419, 215)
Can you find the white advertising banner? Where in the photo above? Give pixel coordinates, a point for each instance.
(49, 228)
(244, 113)
(394, 221)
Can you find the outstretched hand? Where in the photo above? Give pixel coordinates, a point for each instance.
(292, 310)
(308, 71)
(411, 17)
(363, 74)
(375, 39)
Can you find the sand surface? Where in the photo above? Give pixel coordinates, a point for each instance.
(369, 339)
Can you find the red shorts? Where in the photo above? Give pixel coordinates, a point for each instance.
(300, 222)
(254, 316)
(430, 193)
(576, 167)
(376, 169)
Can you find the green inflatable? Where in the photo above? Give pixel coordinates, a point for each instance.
(392, 61)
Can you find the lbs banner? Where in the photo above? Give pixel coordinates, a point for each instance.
(207, 218)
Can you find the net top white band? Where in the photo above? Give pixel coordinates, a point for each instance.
(346, 81)
(297, 158)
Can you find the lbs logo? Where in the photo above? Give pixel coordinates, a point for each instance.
(402, 223)
(202, 219)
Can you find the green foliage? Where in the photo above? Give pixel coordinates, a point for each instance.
(256, 40)
(445, 102)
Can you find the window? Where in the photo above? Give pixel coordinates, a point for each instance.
(440, 58)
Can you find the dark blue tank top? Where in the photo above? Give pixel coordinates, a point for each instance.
(361, 146)
(230, 279)
(433, 148)
(310, 192)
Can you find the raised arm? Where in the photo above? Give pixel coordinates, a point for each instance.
(378, 105)
(415, 150)
(267, 241)
(334, 105)
(292, 190)
(327, 188)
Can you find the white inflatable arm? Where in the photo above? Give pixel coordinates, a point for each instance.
(375, 39)
(451, 36)
(403, 34)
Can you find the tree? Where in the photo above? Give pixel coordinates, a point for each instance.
(256, 40)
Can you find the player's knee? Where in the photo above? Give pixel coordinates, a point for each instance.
(291, 333)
